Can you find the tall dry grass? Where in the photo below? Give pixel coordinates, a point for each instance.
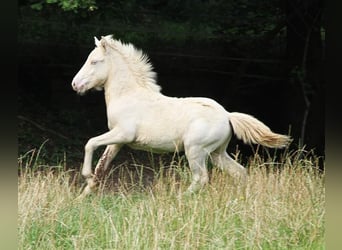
(281, 207)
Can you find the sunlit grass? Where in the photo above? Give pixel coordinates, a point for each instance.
(282, 207)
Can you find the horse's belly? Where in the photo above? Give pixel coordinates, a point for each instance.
(157, 147)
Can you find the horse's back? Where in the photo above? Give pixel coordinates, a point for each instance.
(164, 124)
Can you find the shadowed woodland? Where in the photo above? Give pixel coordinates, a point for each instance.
(264, 58)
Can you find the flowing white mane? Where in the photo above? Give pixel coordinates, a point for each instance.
(137, 61)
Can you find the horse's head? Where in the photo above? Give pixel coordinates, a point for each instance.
(94, 72)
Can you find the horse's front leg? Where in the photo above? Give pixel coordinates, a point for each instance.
(101, 167)
(104, 161)
(114, 138)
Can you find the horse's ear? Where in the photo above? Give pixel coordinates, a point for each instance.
(97, 42)
(104, 43)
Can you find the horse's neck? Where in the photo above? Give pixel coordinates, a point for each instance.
(121, 81)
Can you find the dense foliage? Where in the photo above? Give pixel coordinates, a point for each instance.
(145, 21)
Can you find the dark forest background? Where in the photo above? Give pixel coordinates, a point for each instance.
(264, 58)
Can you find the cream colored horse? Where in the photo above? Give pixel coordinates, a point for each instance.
(142, 118)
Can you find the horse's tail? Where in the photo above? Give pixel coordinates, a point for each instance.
(251, 130)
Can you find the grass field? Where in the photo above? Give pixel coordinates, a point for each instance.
(282, 207)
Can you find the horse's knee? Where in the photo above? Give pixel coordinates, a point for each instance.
(89, 147)
(86, 173)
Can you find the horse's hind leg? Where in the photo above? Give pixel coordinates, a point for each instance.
(101, 167)
(222, 160)
(197, 159)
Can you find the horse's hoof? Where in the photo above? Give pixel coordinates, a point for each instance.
(86, 192)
